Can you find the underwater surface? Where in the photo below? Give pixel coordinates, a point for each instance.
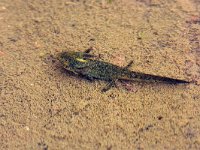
(43, 106)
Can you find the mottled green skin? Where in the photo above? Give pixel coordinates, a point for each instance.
(92, 69)
(83, 63)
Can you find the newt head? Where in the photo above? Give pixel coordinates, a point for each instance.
(64, 58)
(70, 57)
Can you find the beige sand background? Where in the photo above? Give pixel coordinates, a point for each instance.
(43, 107)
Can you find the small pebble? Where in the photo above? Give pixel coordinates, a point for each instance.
(27, 128)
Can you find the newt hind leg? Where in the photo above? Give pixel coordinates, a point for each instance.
(113, 82)
(109, 85)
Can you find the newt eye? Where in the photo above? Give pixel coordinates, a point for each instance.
(64, 62)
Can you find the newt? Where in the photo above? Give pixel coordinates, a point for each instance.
(86, 64)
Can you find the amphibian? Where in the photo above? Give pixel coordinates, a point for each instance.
(85, 64)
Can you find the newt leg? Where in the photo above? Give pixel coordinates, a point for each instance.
(88, 50)
(86, 53)
(89, 78)
(109, 85)
(129, 65)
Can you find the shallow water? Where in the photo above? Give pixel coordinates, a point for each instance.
(43, 107)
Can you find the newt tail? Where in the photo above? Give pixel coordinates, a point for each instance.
(153, 78)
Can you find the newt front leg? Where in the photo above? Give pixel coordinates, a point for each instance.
(109, 85)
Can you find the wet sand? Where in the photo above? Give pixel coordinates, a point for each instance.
(43, 107)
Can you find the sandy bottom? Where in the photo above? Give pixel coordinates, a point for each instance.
(43, 107)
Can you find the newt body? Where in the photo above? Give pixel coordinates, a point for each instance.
(85, 64)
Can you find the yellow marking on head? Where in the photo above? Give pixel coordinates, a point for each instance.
(81, 60)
